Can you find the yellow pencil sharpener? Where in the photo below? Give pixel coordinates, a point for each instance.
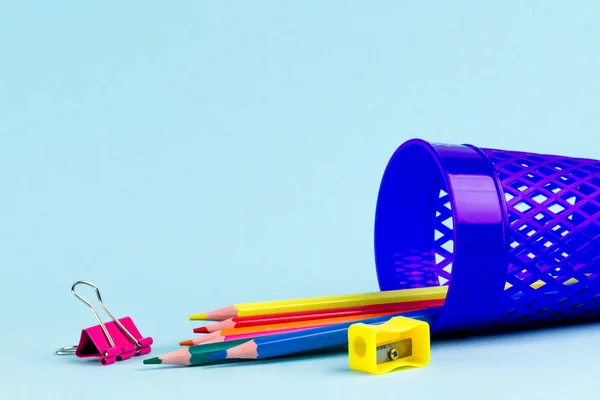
(379, 349)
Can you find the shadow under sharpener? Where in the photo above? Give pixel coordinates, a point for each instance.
(378, 349)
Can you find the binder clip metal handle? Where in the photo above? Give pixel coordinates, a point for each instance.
(116, 321)
(66, 351)
(116, 340)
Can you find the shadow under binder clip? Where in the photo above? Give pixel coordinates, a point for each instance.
(116, 340)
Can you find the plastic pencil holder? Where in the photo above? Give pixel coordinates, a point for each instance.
(515, 236)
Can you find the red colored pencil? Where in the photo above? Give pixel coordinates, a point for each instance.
(269, 319)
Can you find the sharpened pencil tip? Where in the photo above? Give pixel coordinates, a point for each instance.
(218, 355)
(198, 317)
(202, 329)
(154, 360)
(187, 343)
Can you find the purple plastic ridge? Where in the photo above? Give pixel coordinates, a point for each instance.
(416, 244)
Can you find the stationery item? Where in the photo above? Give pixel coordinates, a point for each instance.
(379, 349)
(268, 319)
(302, 324)
(252, 335)
(116, 340)
(514, 235)
(308, 339)
(290, 325)
(193, 355)
(216, 337)
(200, 355)
(322, 303)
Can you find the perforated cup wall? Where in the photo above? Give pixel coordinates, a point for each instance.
(415, 269)
(553, 206)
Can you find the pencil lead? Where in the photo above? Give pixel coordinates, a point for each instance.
(218, 355)
(154, 360)
(198, 317)
(187, 343)
(201, 329)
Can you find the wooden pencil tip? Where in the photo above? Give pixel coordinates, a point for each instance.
(202, 329)
(198, 317)
(154, 360)
(187, 343)
(218, 355)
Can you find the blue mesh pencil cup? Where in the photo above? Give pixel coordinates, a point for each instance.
(515, 236)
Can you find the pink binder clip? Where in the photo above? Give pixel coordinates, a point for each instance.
(116, 340)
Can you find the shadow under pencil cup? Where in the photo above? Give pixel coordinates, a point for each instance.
(515, 236)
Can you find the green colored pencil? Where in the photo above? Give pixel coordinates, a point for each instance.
(194, 355)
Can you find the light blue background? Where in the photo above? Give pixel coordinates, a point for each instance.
(188, 155)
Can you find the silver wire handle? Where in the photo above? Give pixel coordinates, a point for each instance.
(67, 350)
(115, 320)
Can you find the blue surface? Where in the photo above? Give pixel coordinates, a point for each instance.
(157, 148)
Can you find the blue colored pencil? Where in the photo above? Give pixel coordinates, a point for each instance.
(309, 339)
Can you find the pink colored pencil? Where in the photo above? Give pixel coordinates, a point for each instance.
(216, 337)
(257, 334)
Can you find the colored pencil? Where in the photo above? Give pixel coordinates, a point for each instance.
(268, 319)
(320, 303)
(306, 340)
(217, 326)
(193, 355)
(302, 324)
(228, 338)
(216, 337)
(279, 327)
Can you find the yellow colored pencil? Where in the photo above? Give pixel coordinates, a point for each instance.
(322, 303)
(331, 302)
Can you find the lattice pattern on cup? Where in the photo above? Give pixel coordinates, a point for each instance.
(553, 206)
(433, 268)
(443, 238)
